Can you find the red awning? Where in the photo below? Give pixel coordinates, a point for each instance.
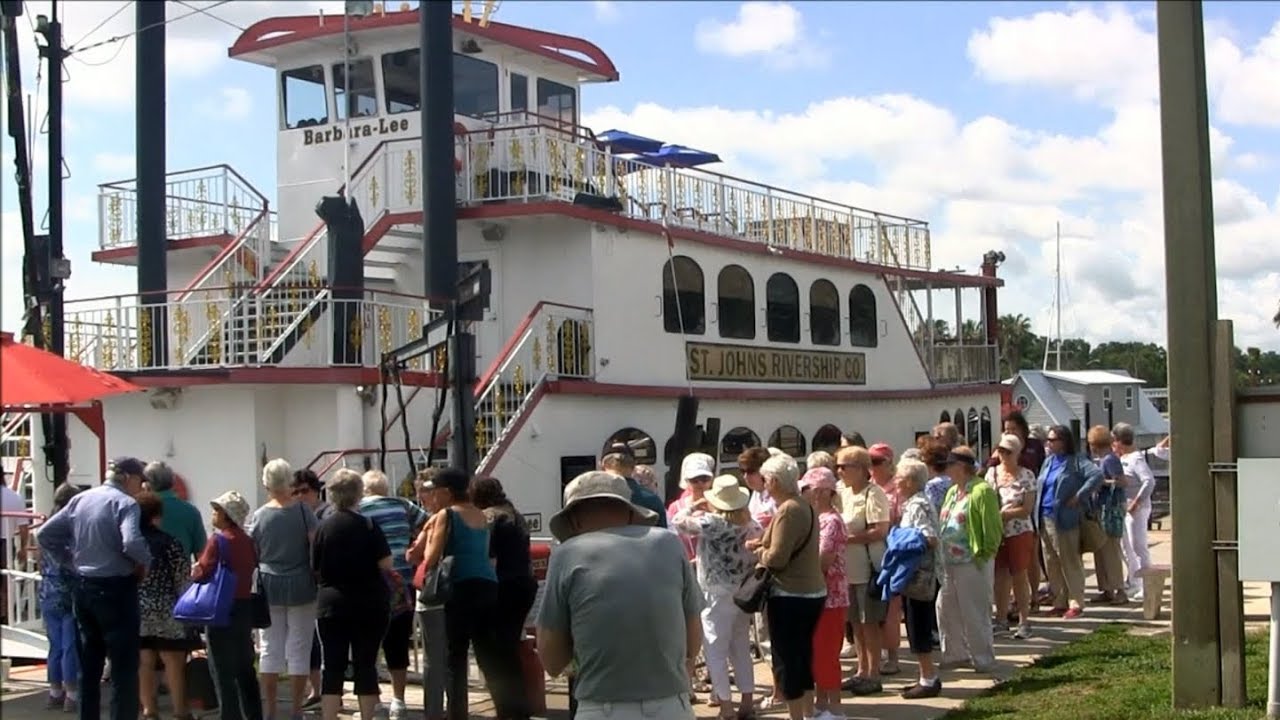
(32, 379)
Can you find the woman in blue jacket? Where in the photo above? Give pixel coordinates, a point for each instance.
(1067, 480)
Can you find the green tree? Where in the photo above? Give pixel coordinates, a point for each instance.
(1016, 341)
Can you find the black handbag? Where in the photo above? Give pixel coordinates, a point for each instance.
(259, 610)
(437, 586)
(753, 591)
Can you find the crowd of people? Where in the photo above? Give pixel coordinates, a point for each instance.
(644, 602)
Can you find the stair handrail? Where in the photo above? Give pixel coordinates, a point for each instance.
(231, 250)
(515, 342)
(516, 416)
(322, 294)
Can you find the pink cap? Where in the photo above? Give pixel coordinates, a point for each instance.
(881, 451)
(818, 477)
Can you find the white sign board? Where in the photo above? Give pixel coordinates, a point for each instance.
(1258, 493)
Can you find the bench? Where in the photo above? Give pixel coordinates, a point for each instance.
(1154, 580)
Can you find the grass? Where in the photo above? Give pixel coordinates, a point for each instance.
(1110, 675)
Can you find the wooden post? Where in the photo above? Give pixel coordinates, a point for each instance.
(1230, 592)
(1192, 313)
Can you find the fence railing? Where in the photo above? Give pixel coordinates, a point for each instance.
(964, 364)
(199, 202)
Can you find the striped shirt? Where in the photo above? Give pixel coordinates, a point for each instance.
(399, 520)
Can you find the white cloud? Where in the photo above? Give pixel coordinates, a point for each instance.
(606, 11)
(232, 103)
(987, 183)
(773, 31)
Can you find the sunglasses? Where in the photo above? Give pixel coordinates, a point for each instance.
(1003, 451)
(878, 461)
(700, 480)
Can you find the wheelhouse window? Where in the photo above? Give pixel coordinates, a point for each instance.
(305, 102)
(782, 308)
(734, 442)
(789, 440)
(736, 303)
(824, 313)
(862, 317)
(556, 101)
(640, 442)
(475, 84)
(518, 90)
(683, 297)
(355, 93)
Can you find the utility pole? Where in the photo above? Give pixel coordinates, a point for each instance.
(150, 194)
(56, 268)
(1190, 278)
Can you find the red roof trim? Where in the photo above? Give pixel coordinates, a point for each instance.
(280, 31)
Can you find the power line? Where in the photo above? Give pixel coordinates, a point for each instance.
(118, 38)
(205, 11)
(98, 27)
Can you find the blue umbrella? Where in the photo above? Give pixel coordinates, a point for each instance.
(678, 156)
(625, 143)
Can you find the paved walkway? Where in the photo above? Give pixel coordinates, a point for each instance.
(23, 695)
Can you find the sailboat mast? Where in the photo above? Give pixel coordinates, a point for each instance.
(1057, 293)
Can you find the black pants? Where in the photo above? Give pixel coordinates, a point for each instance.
(395, 644)
(792, 621)
(108, 623)
(355, 635)
(231, 662)
(515, 598)
(468, 621)
(922, 623)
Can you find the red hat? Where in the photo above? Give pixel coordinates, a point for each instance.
(881, 451)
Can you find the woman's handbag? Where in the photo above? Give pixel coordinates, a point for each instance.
(259, 610)
(209, 602)
(436, 583)
(753, 592)
(399, 593)
(1092, 536)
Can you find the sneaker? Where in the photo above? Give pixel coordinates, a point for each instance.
(55, 702)
(1072, 614)
(1023, 632)
(1101, 598)
(920, 692)
(70, 705)
(398, 710)
(848, 651)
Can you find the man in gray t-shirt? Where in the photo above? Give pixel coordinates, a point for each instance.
(621, 603)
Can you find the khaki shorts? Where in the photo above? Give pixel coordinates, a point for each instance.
(865, 609)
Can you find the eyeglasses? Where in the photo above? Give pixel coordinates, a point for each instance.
(1003, 451)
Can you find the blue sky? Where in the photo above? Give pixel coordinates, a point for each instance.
(992, 120)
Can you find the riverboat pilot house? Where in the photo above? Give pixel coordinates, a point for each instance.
(622, 278)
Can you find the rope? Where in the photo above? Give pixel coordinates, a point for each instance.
(675, 285)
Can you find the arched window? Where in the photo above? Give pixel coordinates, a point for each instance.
(789, 440)
(640, 442)
(734, 442)
(782, 308)
(827, 438)
(683, 297)
(862, 317)
(944, 417)
(958, 419)
(973, 434)
(985, 439)
(736, 303)
(824, 313)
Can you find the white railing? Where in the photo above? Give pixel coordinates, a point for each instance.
(213, 329)
(21, 575)
(542, 163)
(555, 342)
(200, 202)
(964, 364)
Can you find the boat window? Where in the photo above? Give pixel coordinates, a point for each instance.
(736, 303)
(556, 101)
(640, 442)
(305, 103)
(945, 417)
(973, 433)
(734, 442)
(683, 297)
(824, 313)
(862, 317)
(789, 440)
(782, 308)
(958, 420)
(827, 438)
(363, 98)
(518, 89)
(475, 83)
(984, 442)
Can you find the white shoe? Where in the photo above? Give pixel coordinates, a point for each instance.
(398, 711)
(848, 651)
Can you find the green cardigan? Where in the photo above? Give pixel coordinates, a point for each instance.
(986, 529)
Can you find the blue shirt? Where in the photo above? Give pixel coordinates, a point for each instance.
(97, 534)
(1048, 498)
(936, 491)
(647, 499)
(183, 521)
(398, 520)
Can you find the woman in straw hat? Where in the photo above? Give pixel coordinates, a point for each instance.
(722, 525)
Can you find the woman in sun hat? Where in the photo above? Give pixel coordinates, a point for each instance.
(696, 473)
(231, 655)
(818, 486)
(722, 525)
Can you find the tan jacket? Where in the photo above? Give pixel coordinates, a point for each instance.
(803, 575)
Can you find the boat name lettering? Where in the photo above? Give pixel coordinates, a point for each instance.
(747, 363)
(334, 133)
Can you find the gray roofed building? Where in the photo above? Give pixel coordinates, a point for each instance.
(1093, 397)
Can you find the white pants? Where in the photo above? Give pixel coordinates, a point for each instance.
(964, 615)
(727, 631)
(286, 645)
(1137, 556)
(676, 707)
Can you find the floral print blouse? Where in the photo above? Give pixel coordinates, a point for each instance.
(166, 580)
(831, 539)
(1012, 494)
(723, 558)
(918, 512)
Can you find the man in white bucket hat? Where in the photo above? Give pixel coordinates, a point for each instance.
(617, 593)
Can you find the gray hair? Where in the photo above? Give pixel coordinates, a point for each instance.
(1123, 434)
(345, 489)
(277, 476)
(914, 471)
(375, 483)
(821, 458)
(646, 476)
(911, 454)
(784, 471)
(159, 476)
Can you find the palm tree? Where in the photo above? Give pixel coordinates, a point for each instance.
(1015, 331)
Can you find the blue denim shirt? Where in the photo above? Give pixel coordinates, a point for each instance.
(1078, 478)
(97, 534)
